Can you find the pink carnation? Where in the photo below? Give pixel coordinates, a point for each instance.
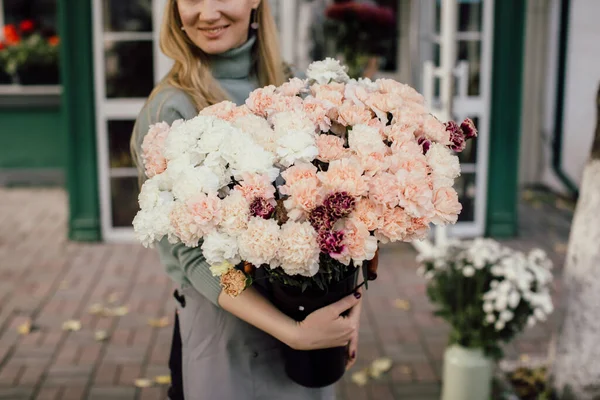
(447, 206)
(369, 213)
(418, 230)
(235, 211)
(410, 159)
(255, 185)
(330, 148)
(415, 194)
(304, 195)
(283, 104)
(261, 100)
(396, 223)
(226, 110)
(374, 162)
(293, 87)
(205, 210)
(408, 93)
(297, 173)
(183, 225)
(260, 242)
(350, 115)
(405, 121)
(384, 189)
(345, 175)
(333, 98)
(358, 242)
(434, 130)
(153, 149)
(382, 103)
(327, 87)
(318, 112)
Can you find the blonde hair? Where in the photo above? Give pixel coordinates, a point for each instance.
(191, 72)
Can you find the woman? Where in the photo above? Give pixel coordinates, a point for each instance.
(224, 49)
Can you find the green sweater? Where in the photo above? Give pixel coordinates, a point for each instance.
(234, 71)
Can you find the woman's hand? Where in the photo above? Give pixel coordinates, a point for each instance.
(326, 327)
(353, 345)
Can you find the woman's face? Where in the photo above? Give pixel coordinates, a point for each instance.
(216, 26)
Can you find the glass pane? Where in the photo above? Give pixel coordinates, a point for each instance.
(470, 14)
(362, 35)
(124, 193)
(465, 186)
(119, 133)
(469, 154)
(129, 69)
(469, 51)
(127, 16)
(41, 12)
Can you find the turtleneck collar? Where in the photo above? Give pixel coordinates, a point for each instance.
(235, 63)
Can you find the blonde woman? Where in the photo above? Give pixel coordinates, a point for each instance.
(224, 49)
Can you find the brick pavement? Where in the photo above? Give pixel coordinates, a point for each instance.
(46, 279)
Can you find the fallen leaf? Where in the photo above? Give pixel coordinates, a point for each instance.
(360, 378)
(63, 285)
(380, 366)
(143, 383)
(113, 298)
(24, 328)
(96, 309)
(100, 336)
(159, 322)
(402, 304)
(537, 205)
(528, 195)
(524, 358)
(406, 370)
(163, 379)
(116, 312)
(71, 325)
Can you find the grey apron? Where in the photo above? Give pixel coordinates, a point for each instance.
(224, 358)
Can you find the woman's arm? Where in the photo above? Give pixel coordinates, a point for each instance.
(321, 329)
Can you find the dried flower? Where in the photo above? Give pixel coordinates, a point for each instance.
(261, 207)
(233, 282)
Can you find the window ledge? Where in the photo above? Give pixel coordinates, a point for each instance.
(20, 96)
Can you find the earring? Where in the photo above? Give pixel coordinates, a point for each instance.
(254, 25)
(182, 28)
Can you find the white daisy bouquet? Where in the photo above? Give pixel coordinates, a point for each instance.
(487, 292)
(303, 180)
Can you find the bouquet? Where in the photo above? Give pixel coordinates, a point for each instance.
(303, 182)
(487, 292)
(304, 179)
(28, 56)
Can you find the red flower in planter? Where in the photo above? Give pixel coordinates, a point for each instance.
(27, 26)
(11, 35)
(54, 40)
(2, 46)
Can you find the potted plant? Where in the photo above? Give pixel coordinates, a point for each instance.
(488, 293)
(28, 57)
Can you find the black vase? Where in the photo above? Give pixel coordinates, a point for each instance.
(313, 368)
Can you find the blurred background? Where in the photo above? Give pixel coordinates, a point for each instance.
(527, 74)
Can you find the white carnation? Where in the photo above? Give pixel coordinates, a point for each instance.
(183, 139)
(444, 165)
(219, 248)
(260, 130)
(244, 155)
(152, 224)
(326, 71)
(299, 251)
(297, 147)
(289, 122)
(195, 180)
(363, 137)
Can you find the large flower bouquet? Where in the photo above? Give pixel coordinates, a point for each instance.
(303, 180)
(487, 292)
(28, 55)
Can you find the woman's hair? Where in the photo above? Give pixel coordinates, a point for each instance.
(191, 72)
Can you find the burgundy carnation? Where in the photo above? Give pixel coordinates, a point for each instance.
(260, 207)
(457, 137)
(331, 242)
(468, 128)
(320, 219)
(339, 204)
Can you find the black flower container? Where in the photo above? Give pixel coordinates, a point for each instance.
(313, 368)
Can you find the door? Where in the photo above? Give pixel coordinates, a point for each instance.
(127, 64)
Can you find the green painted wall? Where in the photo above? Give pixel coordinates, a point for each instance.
(505, 125)
(32, 138)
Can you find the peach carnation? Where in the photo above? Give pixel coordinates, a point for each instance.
(255, 185)
(434, 130)
(205, 210)
(384, 189)
(235, 212)
(226, 110)
(259, 243)
(292, 87)
(447, 206)
(327, 87)
(233, 282)
(299, 249)
(359, 244)
(330, 148)
(153, 149)
(296, 173)
(183, 225)
(369, 213)
(318, 112)
(345, 175)
(418, 229)
(415, 195)
(396, 223)
(350, 114)
(261, 100)
(304, 195)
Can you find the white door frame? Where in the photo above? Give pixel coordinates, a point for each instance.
(118, 109)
